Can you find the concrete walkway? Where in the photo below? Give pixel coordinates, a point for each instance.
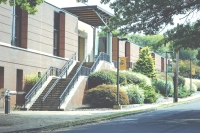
(18, 121)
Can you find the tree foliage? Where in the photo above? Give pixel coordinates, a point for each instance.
(28, 5)
(145, 63)
(152, 16)
(186, 36)
(152, 41)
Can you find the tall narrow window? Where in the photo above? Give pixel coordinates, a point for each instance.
(56, 34)
(1, 77)
(16, 39)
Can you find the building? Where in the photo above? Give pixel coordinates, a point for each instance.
(34, 44)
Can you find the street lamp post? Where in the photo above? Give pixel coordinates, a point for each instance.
(119, 39)
(166, 72)
(191, 75)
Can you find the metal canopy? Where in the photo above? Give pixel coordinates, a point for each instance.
(92, 15)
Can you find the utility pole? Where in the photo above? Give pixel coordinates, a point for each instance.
(176, 77)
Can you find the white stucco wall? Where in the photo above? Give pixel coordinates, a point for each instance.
(88, 30)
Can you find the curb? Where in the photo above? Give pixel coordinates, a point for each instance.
(100, 118)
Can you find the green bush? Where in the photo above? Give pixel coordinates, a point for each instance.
(31, 79)
(187, 85)
(162, 75)
(105, 96)
(122, 79)
(181, 81)
(136, 78)
(160, 87)
(135, 94)
(183, 92)
(149, 93)
(101, 77)
(197, 83)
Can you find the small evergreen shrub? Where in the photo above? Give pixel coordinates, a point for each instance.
(149, 93)
(145, 63)
(101, 77)
(105, 96)
(135, 94)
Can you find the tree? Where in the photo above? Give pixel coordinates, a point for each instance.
(152, 16)
(151, 41)
(28, 5)
(145, 63)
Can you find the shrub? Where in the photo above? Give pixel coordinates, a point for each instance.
(162, 75)
(122, 79)
(136, 78)
(181, 81)
(187, 85)
(101, 77)
(135, 94)
(160, 86)
(183, 92)
(197, 83)
(149, 93)
(145, 63)
(105, 96)
(31, 79)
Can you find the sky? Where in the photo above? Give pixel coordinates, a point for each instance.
(73, 3)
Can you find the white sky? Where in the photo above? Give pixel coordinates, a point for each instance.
(73, 3)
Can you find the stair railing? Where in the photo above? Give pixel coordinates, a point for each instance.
(64, 70)
(51, 71)
(72, 82)
(102, 56)
(82, 71)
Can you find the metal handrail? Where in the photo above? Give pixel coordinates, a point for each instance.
(32, 92)
(73, 81)
(62, 72)
(82, 71)
(102, 56)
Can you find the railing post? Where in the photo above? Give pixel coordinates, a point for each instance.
(41, 105)
(59, 103)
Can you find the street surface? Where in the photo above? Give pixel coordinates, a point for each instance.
(183, 118)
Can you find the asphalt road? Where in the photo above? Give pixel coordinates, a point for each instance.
(183, 118)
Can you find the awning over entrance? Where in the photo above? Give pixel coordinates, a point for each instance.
(92, 15)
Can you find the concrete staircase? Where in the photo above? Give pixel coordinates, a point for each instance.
(52, 101)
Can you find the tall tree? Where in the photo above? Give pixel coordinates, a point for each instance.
(152, 16)
(29, 5)
(145, 63)
(151, 41)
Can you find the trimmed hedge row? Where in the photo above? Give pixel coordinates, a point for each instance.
(110, 77)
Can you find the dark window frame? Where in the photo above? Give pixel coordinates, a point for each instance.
(56, 34)
(16, 35)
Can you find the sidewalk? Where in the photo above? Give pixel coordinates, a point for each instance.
(36, 120)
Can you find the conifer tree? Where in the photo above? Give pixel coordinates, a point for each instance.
(145, 63)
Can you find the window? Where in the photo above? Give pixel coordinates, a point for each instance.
(17, 13)
(56, 34)
(1, 77)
